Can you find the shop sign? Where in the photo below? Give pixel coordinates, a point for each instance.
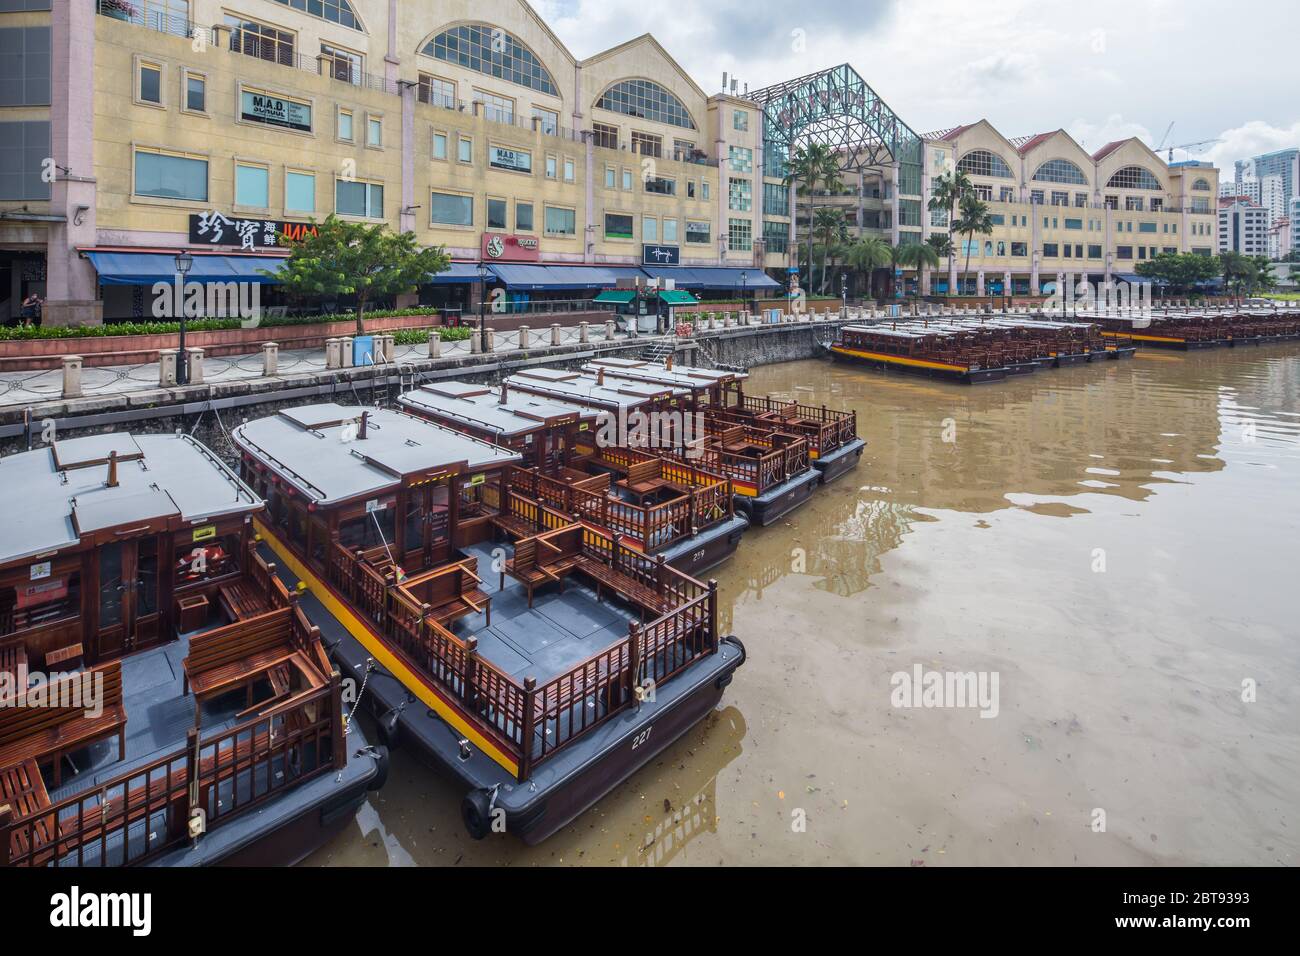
(500, 247)
(274, 111)
(660, 255)
(213, 228)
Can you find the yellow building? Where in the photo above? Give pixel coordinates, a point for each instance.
(1059, 211)
(206, 125)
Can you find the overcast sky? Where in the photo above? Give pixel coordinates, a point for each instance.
(1101, 69)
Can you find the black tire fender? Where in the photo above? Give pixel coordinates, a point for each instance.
(476, 813)
(381, 768)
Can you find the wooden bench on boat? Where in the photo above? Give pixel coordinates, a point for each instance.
(449, 593)
(241, 600)
(50, 733)
(13, 657)
(625, 586)
(544, 557)
(23, 794)
(240, 654)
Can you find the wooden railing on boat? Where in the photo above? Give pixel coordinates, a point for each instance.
(532, 722)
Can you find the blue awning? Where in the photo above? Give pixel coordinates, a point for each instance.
(717, 277)
(539, 277)
(456, 273)
(146, 268)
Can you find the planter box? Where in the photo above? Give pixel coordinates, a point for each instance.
(104, 350)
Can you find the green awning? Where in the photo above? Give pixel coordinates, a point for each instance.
(677, 297)
(620, 296)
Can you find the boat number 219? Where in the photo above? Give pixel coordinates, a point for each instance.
(642, 737)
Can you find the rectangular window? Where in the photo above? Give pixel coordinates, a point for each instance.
(374, 131)
(661, 186)
(559, 222)
(740, 235)
(451, 209)
(1050, 250)
(604, 135)
(439, 149)
(551, 166)
(523, 217)
(345, 125)
(670, 230)
(704, 189)
(171, 177)
(496, 214)
(1157, 204)
(647, 144)
(1081, 199)
(1124, 252)
(1060, 198)
(1147, 227)
(548, 121)
(568, 170)
(353, 198)
(618, 226)
(498, 109)
(25, 64)
(649, 229)
(299, 192)
(776, 199)
(1074, 224)
(739, 195)
(740, 159)
(698, 233)
(611, 177)
(23, 148)
(627, 179)
(465, 149)
(1036, 197)
(196, 93)
(252, 186)
(341, 64)
(437, 92)
(260, 40)
(1133, 203)
(1019, 249)
(740, 120)
(150, 83)
(1094, 252)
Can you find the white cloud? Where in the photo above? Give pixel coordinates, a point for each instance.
(1250, 139)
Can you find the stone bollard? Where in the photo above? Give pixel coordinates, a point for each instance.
(609, 329)
(166, 367)
(270, 359)
(195, 359)
(476, 343)
(583, 332)
(388, 346)
(523, 336)
(72, 376)
(435, 344)
(345, 352)
(555, 333)
(491, 335)
(333, 351)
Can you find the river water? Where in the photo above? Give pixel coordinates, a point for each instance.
(1117, 545)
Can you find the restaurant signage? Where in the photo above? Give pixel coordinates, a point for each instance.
(660, 255)
(274, 111)
(500, 247)
(215, 229)
(515, 160)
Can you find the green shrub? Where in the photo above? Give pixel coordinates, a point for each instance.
(18, 333)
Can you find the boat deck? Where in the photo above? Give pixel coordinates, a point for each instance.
(558, 633)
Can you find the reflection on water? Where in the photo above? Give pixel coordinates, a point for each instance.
(1118, 542)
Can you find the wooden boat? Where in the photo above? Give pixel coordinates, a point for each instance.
(647, 502)
(538, 697)
(189, 713)
(1192, 329)
(770, 471)
(933, 352)
(833, 443)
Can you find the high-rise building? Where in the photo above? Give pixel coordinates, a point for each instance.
(1246, 187)
(1243, 227)
(1283, 163)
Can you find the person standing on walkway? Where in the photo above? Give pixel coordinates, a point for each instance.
(31, 310)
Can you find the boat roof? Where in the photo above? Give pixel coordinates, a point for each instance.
(316, 449)
(60, 492)
(586, 388)
(480, 407)
(903, 333)
(687, 376)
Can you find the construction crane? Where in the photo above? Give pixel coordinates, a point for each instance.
(1164, 139)
(1188, 147)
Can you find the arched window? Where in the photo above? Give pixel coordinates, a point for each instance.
(336, 11)
(471, 46)
(1060, 171)
(1134, 177)
(1201, 185)
(647, 100)
(980, 162)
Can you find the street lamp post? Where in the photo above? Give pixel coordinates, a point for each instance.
(483, 274)
(744, 287)
(184, 262)
(844, 291)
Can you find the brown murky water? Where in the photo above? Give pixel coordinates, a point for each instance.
(1118, 543)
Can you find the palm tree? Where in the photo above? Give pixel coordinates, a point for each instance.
(831, 226)
(948, 193)
(975, 218)
(941, 243)
(919, 256)
(1234, 267)
(866, 255)
(812, 166)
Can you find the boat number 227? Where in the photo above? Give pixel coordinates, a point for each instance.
(642, 737)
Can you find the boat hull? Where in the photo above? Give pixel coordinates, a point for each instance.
(839, 462)
(953, 373)
(707, 549)
(778, 501)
